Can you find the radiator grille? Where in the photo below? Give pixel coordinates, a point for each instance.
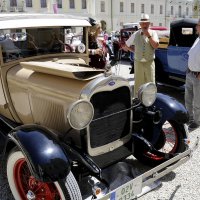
(114, 127)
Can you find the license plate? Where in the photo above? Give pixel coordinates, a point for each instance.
(128, 191)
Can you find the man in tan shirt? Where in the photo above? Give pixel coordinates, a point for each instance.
(145, 41)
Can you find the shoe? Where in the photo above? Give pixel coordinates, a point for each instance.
(193, 126)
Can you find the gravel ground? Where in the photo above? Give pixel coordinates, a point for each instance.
(5, 193)
(183, 183)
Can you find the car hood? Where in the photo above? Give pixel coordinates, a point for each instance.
(64, 68)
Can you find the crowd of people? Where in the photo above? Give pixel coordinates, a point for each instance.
(144, 41)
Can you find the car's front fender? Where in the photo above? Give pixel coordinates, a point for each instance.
(171, 109)
(46, 158)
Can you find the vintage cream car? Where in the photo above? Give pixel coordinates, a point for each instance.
(67, 129)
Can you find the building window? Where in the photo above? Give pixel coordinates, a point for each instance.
(152, 9)
(71, 4)
(179, 11)
(172, 10)
(160, 24)
(59, 3)
(121, 6)
(102, 6)
(29, 3)
(187, 11)
(132, 7)
(43, 3)
(84, 4)
(161, 9)
(13, 3)
(142, 8)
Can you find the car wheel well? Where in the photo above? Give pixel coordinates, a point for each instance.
(9, 146)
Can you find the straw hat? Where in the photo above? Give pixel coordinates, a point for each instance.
(144, 18)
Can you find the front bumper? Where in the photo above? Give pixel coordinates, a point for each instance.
(133, 188)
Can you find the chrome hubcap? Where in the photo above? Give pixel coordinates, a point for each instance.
(30, 195)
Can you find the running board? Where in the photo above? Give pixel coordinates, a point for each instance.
(134, 187)
(177, 78)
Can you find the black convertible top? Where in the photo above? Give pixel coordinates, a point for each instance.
(176, 36)
(187, 22)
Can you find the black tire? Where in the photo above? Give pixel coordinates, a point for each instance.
(21, 181)
(153, 158)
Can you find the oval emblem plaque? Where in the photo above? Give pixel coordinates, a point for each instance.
(111, 83)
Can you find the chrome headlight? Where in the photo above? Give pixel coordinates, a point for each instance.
(80, 114)
(147, 93)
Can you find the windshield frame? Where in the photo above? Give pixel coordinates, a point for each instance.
(41, 42)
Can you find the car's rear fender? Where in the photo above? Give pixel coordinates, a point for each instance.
(46, 158)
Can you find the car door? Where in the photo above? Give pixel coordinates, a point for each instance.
(177, 59)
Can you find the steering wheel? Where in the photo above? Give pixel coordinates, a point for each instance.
(68, 48)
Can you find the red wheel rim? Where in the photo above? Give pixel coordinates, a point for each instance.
(28, 185)
(171, 142)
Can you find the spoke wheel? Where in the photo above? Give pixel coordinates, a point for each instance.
(25, 186)
(29, 187)
(169, 138)
(170, 142)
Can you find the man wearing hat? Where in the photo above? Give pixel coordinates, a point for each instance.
(145, 41)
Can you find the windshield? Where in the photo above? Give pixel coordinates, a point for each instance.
(21, 43)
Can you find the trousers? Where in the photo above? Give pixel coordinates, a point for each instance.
(144, 73)
(192, 97)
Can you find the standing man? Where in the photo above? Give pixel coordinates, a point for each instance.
(192, 85)
(145, 42)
